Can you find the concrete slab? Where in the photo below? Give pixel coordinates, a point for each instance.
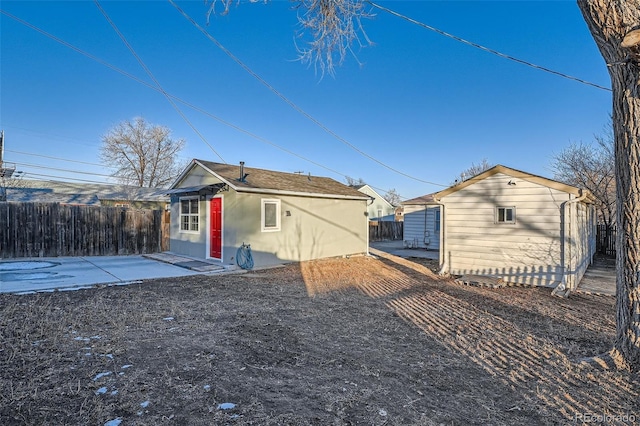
(198, 265)
(40, 274)
(396, 247)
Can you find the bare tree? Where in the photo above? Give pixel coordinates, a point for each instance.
(591, 166)
(328, 28)
(141, 154)
(615, 26)
(354, 182)
(392, 197)
(474, 170)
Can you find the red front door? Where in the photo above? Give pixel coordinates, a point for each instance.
(215, 228)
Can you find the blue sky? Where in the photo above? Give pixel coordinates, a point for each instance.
(421, 103)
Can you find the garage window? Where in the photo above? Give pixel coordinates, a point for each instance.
(506, 215)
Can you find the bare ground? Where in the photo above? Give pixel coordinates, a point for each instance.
(341, 341)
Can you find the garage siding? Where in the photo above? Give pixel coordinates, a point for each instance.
(527, 251)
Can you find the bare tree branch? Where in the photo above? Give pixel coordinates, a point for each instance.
(141, 154)
(591, 166)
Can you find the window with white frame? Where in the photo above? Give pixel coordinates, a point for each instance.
(436, 220)
(506, 215)
(270, 215)
(189, 214)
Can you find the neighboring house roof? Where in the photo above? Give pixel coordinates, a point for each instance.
(269, 181)
(372, 193)
(518, 175)
(80, 193)
(425, 199)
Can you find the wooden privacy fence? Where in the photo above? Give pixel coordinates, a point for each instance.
(52, 229)
(382, 230)
(606, 240)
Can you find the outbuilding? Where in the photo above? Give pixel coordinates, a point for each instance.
(285, 217)
(518, 227)
(421, 223)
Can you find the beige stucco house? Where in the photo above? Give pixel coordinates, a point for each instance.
(519, 227)
(285, 217)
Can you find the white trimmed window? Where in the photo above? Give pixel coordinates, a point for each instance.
(270, 215)
(189, 214)
(436, 220)
(506, 215)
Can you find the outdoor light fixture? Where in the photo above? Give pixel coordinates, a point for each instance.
(511, 182)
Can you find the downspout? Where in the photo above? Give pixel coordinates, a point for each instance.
(441, 251)
(366, 212)
(561, 289)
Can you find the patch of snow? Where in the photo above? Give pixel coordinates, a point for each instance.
(84, 339)
(168, 319)
(207, 387)
(382, 412)
(124, 367)
(96, 337)
(114, 392)
(101, 375)
(226, 406)
(101, 391)
(145, 404)
(114, 422)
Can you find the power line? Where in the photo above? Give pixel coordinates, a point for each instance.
(60, 170)
(150, 74)
(290, 102)
(65, 178)
(54, 158)
(486, 49)
(150, 86)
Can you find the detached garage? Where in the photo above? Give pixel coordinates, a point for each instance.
(518, 227)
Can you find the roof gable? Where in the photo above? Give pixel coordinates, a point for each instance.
(515, 174)
(269, 181)
(424, 199)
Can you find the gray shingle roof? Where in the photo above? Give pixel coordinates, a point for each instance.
(261, 179)
(80, 193)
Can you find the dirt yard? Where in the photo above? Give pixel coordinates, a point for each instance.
(348, 341)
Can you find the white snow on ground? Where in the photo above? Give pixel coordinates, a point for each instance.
(25, 266)
(145, 404)
(114, 422)
(226, 406)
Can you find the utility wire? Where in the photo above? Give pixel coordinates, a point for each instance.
(290, 102)
(186, 103)
(150, 74)
(65, 178)
(150, 86)
(486, 49)
(60, 170)
(54, 158)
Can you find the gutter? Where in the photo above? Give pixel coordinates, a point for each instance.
(561, 289)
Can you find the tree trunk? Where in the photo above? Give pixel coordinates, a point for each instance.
(609, 21)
